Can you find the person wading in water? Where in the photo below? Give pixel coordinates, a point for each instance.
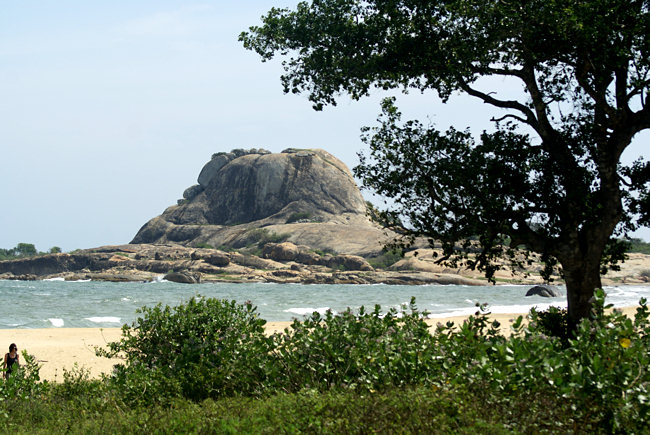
(11, 358)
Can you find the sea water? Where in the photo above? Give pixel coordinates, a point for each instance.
(64, 304)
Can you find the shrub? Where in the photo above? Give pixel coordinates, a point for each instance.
(386, 259)
(203, 245)
(638, 246)
(599, 377)
(326, 251)
(24, 382)
(294, 217)
(367, 350)
(204, 348)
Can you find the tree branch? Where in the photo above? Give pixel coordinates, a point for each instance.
(581, 72)
(510, 115)
(504, 104)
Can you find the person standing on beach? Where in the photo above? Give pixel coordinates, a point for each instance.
(11, 358)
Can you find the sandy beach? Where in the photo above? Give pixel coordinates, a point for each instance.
(57, 349)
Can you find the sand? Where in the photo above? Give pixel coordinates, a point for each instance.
(57, 349)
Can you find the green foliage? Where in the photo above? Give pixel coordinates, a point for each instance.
(203, 245)
(368, 350)
(23, 250)
(553, 322)
(226, 248)
(298, 216)
(639, 246)
(583, 68)
(360, 372)
(204, 348)
(326, 251)
(24, 381)
(386, 259)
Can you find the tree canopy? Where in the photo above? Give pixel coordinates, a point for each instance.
(549, 176)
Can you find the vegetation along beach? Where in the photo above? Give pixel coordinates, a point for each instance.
(481, 273)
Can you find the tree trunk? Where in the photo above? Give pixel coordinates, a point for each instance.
(581, 279)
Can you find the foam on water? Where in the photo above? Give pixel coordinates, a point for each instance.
(38, 304)
(306, 311)
(107, 319)
(55, 279)
(57, 323)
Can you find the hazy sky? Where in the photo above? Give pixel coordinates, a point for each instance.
(109, 110)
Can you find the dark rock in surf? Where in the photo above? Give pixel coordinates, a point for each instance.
(183, 277)
(545, 291)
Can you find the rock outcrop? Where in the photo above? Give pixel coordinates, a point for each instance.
(284, 264)
(244, 197)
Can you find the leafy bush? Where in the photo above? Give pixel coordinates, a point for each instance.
(204, 348)
(326, 251)
(386, 259)
(599, 378)
(638, 246)
(203, 245)
(24, 382)
(553, 322)
(370, 371)
(294, 217)
(367, 351)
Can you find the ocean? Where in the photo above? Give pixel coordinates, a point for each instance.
(82, 304)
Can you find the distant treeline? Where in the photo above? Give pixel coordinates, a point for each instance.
(638, 245)
(25, 250)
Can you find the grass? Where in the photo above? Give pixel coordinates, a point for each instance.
(419, 410)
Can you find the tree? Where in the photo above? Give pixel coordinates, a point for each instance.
(25, 250)
(549, 177)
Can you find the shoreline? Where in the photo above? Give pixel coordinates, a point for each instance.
(59, 349)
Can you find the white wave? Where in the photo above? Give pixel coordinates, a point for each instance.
(82, 280)
(523, 309)
(306, 311)
(453, 313)
(107, 319)
(57, 323)
(58, 278)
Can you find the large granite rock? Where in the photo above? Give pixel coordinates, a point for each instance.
(307, 197)
(545, 291)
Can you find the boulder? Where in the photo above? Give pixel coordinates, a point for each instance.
(546, 291)
(244, 191)
(308, 258)
(192, 192)
(218, 259)
(350, 262)
(183, 277)
(280, 251)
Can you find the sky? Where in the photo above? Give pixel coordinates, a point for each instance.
(109, 110)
